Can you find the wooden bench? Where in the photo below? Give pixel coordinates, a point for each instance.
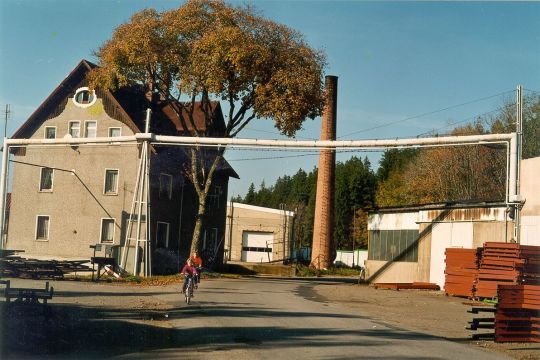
(27, 295)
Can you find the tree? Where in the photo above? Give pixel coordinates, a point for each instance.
(391, 185)
(355, 189)
(207, 50)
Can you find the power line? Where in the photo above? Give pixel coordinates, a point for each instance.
(300, 155)
(276, 133)
(458, 122)
(427, 113)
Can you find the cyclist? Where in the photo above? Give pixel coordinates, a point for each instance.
(197, 263)
(188, 271)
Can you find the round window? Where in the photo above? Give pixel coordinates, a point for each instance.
(84, 97)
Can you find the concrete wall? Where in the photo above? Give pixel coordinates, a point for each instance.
(347, 258)
(530, 214)
(397, 272)
(484, 225)
(242, 218)
(76, 203)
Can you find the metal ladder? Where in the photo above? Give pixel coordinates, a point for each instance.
(140, 214)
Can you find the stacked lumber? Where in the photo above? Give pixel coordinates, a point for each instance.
(518, 313)
(407, 286)
(16, 266)
(506, 264)
(461, 271)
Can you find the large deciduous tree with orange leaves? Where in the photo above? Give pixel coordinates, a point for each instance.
(208, 50)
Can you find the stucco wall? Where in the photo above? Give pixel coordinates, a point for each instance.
(249, 219)
(76, 203)
(396, 272)
(530, 175)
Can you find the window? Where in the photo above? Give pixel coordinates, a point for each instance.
(75, 129)
(84, 97)
(90, 129)
(115, 131)
(393, 245)
(50, 132)
(42, 227)
(46, 179)
(210, 239)
(107, 230)
(213, 197)
(162, 234)
(165, 186)
(111, 182)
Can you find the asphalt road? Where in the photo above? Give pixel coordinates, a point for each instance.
(285, 319)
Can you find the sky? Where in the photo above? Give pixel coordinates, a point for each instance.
(399, 64)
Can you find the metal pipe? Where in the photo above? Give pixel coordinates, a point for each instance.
(73, 141)
(513, 169)
(302, 144)
(327, 144)
(3, 179)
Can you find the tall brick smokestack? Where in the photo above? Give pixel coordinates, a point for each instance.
(323, 228)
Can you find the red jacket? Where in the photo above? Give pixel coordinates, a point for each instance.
(188, 269)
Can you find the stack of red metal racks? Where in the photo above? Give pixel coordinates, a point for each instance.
(517, 318)
(461, 271)
(507, 264)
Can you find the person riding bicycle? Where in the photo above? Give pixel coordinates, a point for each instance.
(197, 263)
(188, 271)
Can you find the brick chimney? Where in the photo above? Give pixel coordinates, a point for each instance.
(323, 227)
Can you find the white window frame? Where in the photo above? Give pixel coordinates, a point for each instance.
(48, 228)
(167, 233)
(69, 127)
(84, 88)
(50, 127)
(114, 127)
(41, 179)
(105, 182)
(86, 129)
(169, 191)
(101, 231)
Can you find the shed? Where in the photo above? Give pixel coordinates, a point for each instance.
(257, 234)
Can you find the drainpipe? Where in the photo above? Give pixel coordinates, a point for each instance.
(231, 215)
(5, 156)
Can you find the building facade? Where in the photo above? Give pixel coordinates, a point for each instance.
(258, 234)
(408, 244)
(65, 199)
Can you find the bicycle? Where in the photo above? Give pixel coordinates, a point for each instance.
(197, 279)
(188, 290)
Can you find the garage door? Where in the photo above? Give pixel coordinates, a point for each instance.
(257, 246)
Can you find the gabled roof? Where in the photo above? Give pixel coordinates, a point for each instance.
(127, 104)
(51, 106)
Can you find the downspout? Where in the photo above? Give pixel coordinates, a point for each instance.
(3, 178)
(231, 215)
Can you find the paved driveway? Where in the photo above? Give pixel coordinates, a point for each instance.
(244, 318)
(284, 319)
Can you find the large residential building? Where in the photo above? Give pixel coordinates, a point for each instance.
(68, 198)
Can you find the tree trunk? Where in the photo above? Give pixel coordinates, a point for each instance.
(196, 239)
(201, 190)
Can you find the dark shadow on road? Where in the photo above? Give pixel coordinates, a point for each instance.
(71, 332)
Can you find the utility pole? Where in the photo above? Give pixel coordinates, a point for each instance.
(354, 235)
(7, 113)
(519, 137)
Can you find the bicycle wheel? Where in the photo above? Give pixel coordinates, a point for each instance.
(188, 291)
